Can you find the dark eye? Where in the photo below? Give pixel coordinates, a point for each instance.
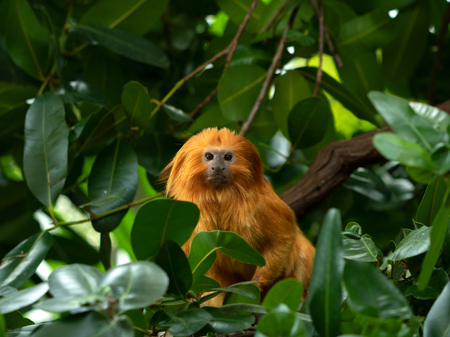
(209, 156)
(228, 157)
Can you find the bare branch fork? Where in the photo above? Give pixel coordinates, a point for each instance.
(269, 77)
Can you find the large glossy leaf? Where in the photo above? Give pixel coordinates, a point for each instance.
(132, 16)
(177, 114)
(238, 90)
(281, 322)
(134, 47)
(88, 324)
(360, 248)
(431, 201)
(21, 262)
(155, 151)
(137, 104)
(115, 169)
(405, 51)
(371, 30)
(22, 298)
(307, 122)
(370, 293)
(325, 289)
(243, 292)
(204, 283)
(136, 285)
(225, 320)
(439, 118)
(174, 262)
(415, 243)
(78, 91)
(407, 124)
(291, 88)
(26, 39)
(437, 323)
(407, 153)
(204, 247)
(356, 105)
(288, 291)
(46, 146)
(160, 220)
(438, 234)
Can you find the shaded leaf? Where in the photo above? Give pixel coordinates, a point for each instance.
(437, 323)
(415, 243)
(45, 150)
(204, 283)
(280, 322)
(288, 291)
(187, 322)
(22, 298)
(177, 114)
(137, 104)
(78, 91)
(160, 220)
(224, 320)
(21, 262)
(361, 249)
(325, 289)
(134, 47)
(431, 201)
(438, 280)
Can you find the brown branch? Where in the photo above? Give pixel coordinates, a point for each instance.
(233, 43)
(270, 73)
(332, 166)
(277, 14)
(319, 68)
(331, 47)
(437, 64)
(202, 104)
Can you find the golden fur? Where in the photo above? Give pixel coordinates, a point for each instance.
(247, 205)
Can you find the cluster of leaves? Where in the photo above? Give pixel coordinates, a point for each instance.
(82, 84)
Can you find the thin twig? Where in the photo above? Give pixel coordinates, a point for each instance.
(233, 43)
(202, 104)
(270, 73)
(275, 17)
(437, 65)
(319, 69)
(333, 51)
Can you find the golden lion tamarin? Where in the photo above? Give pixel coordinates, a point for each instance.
(222, 173)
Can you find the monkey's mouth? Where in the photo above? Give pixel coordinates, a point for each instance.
(217, 179)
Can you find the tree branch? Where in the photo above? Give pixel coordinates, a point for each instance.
(269, 76)
(332, 166)
(319, 68)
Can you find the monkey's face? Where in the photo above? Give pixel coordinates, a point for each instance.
(219, 165)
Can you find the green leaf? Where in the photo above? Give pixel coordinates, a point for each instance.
(439, 118)
(371, 30)
(370, 293)
(361, 249)
(45, 150)
(307, 122)
(238, 90)
(137, 104)
(15, 320)
(280, 322)
(407, 153)
(407, 124)
(114, 170)
(204, 247)
(136, 285)
(437, 323)
(105, 201)
(356, 105)
(245, 307)
(187, 322)
(302, 39)
(204, 283)
(177, 114)
(139, 321)
(134, 47)
(26, 39)
(241, 293)
(88, 324)
(224, 320)
(238, 9)
(155, 151)
(132, 16)
(160, 220)
(437, 236)
(174, 262)
(21, 262)
(288, 291)
(325, 289)
(2, 326)
(415, 243)
(437, 283)
(431, 201)
(290, 89)
(22, 298)
(402, 55)
(78, 91)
